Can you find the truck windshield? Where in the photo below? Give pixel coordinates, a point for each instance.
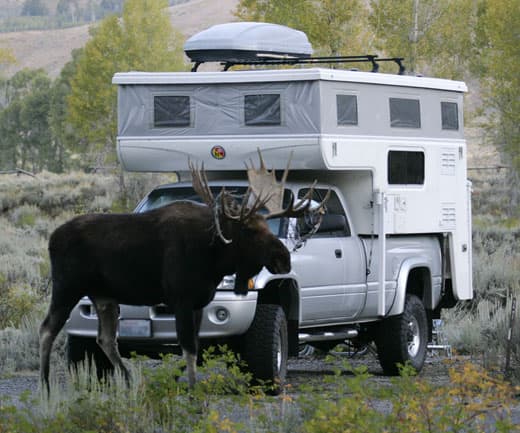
(163, 196)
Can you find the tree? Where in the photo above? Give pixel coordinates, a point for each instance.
(111, 6)
(24, 130)
(6, 59)
(143, 39)
(34, 8)
(499, 70)
(334, 27)
(64, 137)
(432, 35)
(68, 9)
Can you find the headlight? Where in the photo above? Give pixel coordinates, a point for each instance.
(227, 283)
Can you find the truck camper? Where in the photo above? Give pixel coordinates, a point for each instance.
(396, 246)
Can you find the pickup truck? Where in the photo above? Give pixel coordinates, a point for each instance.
(330, 296)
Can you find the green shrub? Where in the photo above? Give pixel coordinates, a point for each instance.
(24, 216)
(19, 347)
(469, 402)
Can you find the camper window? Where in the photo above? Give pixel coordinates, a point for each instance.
(405, 113)
(262, 110)
(347, 111)
(171, 111)
(450, 115)
(405, 168)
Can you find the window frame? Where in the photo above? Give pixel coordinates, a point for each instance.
(352, 95)
(322, 192)
(408, 180)
(415, 99)
(276, 90)
(191, 122)
(451, 103)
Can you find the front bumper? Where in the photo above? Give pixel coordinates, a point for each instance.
(226, 316)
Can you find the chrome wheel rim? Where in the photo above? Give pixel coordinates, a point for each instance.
(279, 354)
(414, 339)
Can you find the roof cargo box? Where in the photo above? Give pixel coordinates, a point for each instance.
(235, 42)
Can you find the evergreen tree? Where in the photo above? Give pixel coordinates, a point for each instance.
(25, 139)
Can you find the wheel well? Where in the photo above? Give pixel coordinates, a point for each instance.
(285, 294)
(419, 283)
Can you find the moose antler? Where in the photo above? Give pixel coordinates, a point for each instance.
(263, 192)
(263, 183)
(200, 184)
(199, 181)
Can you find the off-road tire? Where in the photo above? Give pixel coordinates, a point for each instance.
(403, 339)
(81, 349)
(265, 347)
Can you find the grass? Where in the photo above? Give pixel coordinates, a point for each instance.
(158, 401)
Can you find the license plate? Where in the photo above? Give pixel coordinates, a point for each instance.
(135, 328)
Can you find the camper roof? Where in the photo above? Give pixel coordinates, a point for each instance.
(256, 76)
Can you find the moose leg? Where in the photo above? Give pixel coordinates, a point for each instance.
(188, 325)
(51, 326)
(108, 312)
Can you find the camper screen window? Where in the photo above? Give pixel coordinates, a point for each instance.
(405, 113)
(450, 115)
(171, 111)
(347, 109)
(262, 110)
(405, 168)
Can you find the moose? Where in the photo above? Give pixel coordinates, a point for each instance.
(174, 255)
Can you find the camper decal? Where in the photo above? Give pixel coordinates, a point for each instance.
(218, 152)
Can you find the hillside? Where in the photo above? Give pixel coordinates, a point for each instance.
(51, 49)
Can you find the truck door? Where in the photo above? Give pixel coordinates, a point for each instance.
(331, 267)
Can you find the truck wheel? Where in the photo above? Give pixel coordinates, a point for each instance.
(403, 339)
(80, 349)
(265, 346)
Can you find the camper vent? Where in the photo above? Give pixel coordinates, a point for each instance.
(448, 215)
(448, 162)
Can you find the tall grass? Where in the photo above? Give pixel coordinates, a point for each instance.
(480, 327)
(157, 401)
(30, 210)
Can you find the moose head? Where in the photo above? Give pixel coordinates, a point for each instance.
(242, 224)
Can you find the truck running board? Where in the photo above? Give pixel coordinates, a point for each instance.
(327, 335)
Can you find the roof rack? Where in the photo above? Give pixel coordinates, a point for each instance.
(368, 58)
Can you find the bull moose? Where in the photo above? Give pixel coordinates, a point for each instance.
(175, 255)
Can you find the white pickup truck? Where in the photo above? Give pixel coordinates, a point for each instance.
(394, 246)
